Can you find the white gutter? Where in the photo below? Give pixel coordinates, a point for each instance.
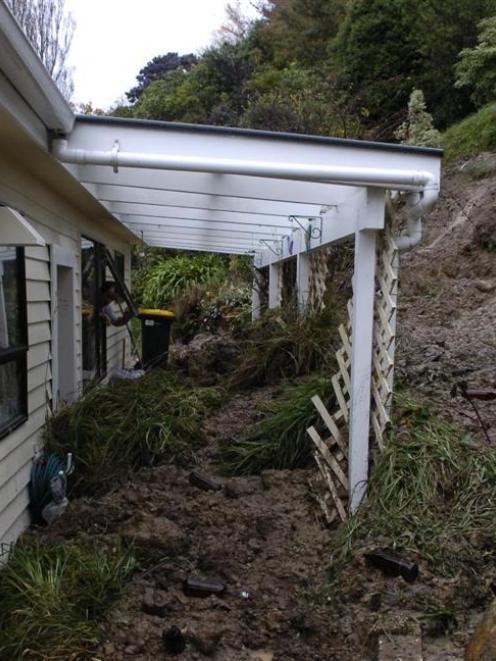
(354, 176)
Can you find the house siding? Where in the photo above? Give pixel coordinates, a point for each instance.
(62, 225)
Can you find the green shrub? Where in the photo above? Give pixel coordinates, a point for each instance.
(116, 429)
(53, 595)
(280, 439)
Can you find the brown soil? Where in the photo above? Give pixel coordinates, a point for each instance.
(263, 538)
(447, 316)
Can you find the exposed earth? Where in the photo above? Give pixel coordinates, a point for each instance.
(262, 540)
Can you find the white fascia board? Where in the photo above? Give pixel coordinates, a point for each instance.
(138, 223)
(233, 186)
(249, 153)
(171, 199)
(15, 106)
(25, 71)
(189, 213)
(228, 244)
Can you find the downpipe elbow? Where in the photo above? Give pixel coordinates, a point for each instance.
(417, 205)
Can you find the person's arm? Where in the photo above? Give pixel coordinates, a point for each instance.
(112, 318)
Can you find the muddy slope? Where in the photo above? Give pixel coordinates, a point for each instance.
(447, 317)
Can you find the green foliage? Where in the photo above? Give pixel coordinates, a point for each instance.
(477, 66)
(280, 439)
(418, 128)
(159, 68)
(168, 278)
(474, 134)
(432, 491)
(116, 429)
(284, 344)
(53, 595)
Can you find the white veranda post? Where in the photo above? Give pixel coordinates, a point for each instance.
(303, 279)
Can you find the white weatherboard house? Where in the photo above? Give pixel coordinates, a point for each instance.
(71, 187)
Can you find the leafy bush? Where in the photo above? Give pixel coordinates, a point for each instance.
(168, 278)
(280, 439)
(116, 429)
(54, 593)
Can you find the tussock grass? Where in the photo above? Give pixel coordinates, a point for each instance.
(284, 344)
(432, 492)
(279, 440)
(472, 135)
(116, 429)
(53, 594)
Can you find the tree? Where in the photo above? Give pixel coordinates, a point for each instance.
(157, 69)
(419, 127)
(477, 66)
(50, 30)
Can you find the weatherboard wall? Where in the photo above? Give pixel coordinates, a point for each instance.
(61, 225)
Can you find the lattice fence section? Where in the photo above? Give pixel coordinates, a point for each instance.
(384, 334)
(319, 269)
(331, 454)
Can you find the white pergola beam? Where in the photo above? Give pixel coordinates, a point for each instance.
(187, 213)
(172, 199)
(194, 247)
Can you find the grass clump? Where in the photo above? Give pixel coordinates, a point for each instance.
(116, 429)
(432, 492)
(284, 344)
(280, 439)
(54, 594)
(472, 135)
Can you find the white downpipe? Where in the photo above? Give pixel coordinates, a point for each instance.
(353, 176)
(417, 205)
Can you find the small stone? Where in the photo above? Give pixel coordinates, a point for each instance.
(152, 604)
(206, 641)
(109, 650)
(482, 645)
(485, 286)
(243, 486)
(174, 641)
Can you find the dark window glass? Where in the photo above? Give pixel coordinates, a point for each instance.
(13, 339)
(94, 329)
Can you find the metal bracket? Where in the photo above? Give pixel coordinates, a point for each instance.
(115, 152)
(277, 252)
(310, 232)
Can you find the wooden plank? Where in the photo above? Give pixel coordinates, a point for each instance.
(324, 451)
(15, 473)
(38, 311)
(332, 488)
(329, 422)
(37, 291)
(37, 270)
(38, 376)
(14, 510)
(38, 355)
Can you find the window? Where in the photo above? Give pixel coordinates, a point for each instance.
(13, 340)
(119, 264)
(94, 329)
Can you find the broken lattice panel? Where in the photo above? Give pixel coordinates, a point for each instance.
(331, 454)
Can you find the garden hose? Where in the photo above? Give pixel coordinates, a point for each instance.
(43, 470)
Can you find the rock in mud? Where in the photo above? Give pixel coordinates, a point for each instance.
(154, 603)
(203, 481)
(238, 487)
(196, 587)
(152, 534)
(482, 646)
(174, 641)
(206, 639)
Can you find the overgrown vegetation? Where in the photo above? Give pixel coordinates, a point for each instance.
(54, 594)
(285, 344)
(474, 134)
(279, 440)
(116, 429)
(432, 492)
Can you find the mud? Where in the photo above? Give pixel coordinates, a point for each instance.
(447, 313)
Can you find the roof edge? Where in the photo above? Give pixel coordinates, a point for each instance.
(257, 133)
(28, 75)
